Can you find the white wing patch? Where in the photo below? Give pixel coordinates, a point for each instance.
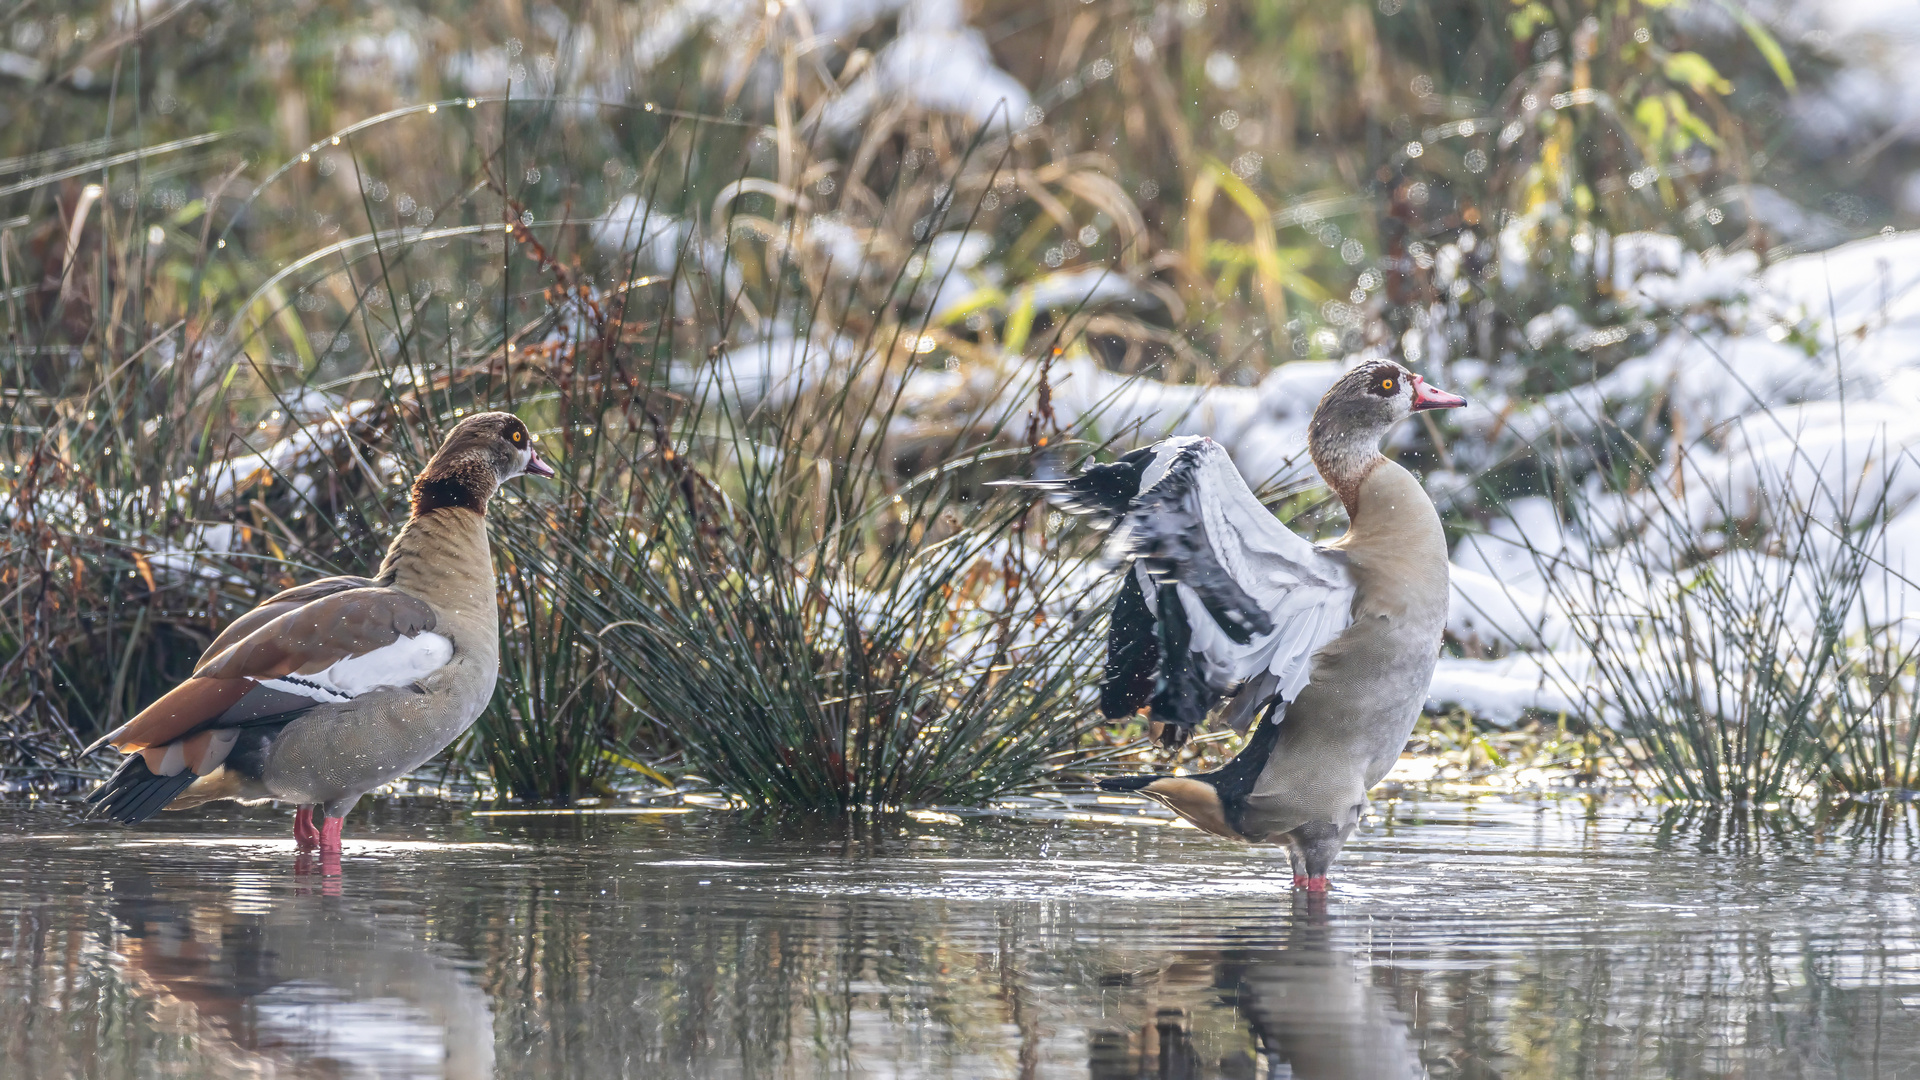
(1306, 591)
(402, 662)
(1165, 452)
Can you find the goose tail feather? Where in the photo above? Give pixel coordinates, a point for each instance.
(135, 793)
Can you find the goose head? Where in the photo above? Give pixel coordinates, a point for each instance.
(1344, 436)
(481, 453)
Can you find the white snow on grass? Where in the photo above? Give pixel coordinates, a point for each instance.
(948, 70)
(1802, 396)
(933, 61)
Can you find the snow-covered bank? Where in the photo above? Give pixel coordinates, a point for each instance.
(1799, 396)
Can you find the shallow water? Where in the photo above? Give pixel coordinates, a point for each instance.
(1494, 939)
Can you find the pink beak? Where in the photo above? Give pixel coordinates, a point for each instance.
(1426, 397)
(537, 467)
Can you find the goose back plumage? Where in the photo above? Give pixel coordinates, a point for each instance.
(321, 644)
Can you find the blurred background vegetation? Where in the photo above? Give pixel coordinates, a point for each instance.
(762, 274)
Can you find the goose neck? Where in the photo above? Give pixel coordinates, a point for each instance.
(443, 557)
(1345, 464)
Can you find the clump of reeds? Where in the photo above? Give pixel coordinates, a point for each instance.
(1870, 746)
(814, 632)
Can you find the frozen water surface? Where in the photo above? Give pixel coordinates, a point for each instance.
(1493, 939)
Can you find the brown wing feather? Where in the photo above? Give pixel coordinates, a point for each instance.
(320, 633)
(307, 629)
(177, 712)
(279, 604)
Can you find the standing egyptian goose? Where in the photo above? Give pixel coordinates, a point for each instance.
(333, 688)
(1336, 644)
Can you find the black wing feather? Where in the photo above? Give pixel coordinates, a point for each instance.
(1166, 529)
(1104, 491)
(1236, 779)
(1181, 696)
(1133, 652)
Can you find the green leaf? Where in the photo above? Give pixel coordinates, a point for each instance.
(1652, 116)
(1019, 321)
(1530, 17)
(634, 766)
(1696, 71)
(1769, 47)
(1692, 124)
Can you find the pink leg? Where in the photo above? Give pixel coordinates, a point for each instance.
(330, 845)
(305, 836)
(1317, 884)
(1299, 881)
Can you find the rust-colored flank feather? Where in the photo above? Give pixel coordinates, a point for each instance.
(179, 711)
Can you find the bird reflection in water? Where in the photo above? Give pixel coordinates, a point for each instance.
(295, 984)
(1305, 1011)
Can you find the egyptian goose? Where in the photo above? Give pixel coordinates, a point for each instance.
(1335, 643)
(333, 688)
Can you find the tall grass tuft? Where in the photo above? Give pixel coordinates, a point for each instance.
(813, 628)
(1735, 621)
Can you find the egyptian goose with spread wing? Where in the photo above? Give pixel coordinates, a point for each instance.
(331, 689)
(1335, 643)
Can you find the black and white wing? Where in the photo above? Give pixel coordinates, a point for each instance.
(1105, 492)
(1220, 598)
